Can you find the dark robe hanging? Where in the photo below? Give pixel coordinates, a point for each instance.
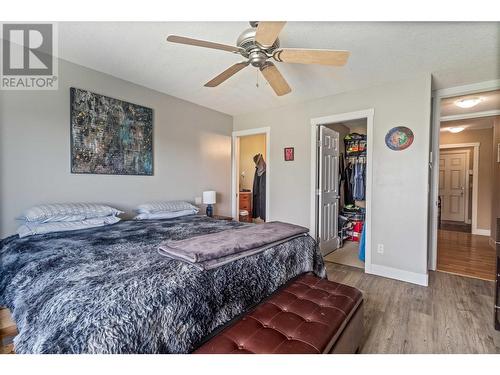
(259, 188)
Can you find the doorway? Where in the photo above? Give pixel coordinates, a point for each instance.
(455, 189)
(341, 174)
(250, 177)
(462, 184)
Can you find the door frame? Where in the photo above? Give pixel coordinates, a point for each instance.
(437, 96)
(449, 149)
(235, 161)
(315, 123)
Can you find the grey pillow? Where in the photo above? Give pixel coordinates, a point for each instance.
(165, 206)
(67, 212)
(165, 215)
(32, 228)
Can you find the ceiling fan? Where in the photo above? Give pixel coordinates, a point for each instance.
(258, 44)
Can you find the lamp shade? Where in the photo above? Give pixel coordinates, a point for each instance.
(209, 197)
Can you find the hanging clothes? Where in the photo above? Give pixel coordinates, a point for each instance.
(355, 170)
(348, 184)
(359, 181)
(259, 188)
(362, 245)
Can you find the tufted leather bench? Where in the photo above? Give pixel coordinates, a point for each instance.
(309, 315)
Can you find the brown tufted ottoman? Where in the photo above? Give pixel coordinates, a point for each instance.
(309, 315)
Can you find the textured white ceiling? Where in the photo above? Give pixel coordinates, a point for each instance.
(456, 54)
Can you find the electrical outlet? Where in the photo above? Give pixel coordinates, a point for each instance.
(197, 200)
(380, 248)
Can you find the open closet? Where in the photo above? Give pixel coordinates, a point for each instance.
(342, 166)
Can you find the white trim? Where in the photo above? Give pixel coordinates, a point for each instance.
(467, 184)
(235, 166)
(315, 122)
(434, 153)
(483, 232)
(475, 179)
(465, 116)
(458, 145)
(468, 89)
(394, 273)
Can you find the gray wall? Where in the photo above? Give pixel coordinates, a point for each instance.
(192, 149)
(400, 179)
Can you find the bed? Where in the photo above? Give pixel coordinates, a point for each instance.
(108, 290)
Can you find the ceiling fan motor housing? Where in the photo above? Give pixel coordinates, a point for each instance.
(256, 53)
(257, 58)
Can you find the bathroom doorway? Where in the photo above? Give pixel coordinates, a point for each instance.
(250, 198)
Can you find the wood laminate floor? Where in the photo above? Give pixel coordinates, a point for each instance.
(454, 314)
(466, 254)
(456, 226)
(7, 332)
(346, 255)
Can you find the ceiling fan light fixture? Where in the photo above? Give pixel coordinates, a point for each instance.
(468, 102)
(457, 129)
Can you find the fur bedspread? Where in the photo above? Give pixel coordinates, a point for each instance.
(107, 290)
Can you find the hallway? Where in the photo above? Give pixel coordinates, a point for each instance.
(465, 254)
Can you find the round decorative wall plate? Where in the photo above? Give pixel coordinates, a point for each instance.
(399, 138)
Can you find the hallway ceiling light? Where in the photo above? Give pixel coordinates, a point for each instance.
(456, 130)
(468, 102)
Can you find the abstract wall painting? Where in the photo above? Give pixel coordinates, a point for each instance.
(110, 136)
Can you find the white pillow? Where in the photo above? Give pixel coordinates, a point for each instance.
(67, 212)
(31, 228)
(165, 206)
(165, 215)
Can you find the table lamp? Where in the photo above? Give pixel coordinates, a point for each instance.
(209, 199)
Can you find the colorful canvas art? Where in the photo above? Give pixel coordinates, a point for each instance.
(399, 138)
(110, 136)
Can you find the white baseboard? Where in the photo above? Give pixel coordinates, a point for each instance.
(481, 232)
(394, 273)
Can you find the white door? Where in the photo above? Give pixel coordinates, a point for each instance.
(328, 190)
(452, 175)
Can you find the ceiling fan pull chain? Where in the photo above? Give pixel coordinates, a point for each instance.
(257, 82)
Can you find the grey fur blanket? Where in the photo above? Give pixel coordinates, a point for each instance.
(107, 290)
(216, 249)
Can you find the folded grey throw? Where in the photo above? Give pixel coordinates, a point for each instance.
(215, 249)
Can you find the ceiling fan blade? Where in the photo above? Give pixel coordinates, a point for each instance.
(267, 32)
(202, 43)
(275, 79)
(312, 56)
(226, 74)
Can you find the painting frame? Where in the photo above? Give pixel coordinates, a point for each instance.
(289, 153)
(73, 167)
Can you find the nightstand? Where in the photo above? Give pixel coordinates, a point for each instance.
(245, 200)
